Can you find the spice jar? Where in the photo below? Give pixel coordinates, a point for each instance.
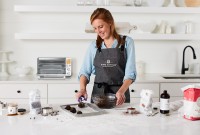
(12, 108)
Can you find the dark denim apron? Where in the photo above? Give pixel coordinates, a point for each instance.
(110, 66)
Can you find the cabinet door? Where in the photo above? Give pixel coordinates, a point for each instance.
(65, 93)
(135, 90)
(174, 90)
(19, 93)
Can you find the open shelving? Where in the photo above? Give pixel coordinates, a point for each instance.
(114, 9)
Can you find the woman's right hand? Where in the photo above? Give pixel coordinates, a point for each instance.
(82, 93)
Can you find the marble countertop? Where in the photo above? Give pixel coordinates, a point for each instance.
(114, 122)
(147, 78)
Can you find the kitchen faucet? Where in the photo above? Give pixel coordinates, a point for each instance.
(183, 63)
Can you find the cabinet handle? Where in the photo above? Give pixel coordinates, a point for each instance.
(19, 91)
(76, 91)
(132, 90)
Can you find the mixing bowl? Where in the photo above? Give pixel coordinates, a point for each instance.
(106, 101)
(23, 70)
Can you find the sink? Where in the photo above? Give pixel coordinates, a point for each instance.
(181, 77)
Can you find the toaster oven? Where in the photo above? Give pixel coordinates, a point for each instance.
(54, 67)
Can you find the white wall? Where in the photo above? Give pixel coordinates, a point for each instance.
(159, 56)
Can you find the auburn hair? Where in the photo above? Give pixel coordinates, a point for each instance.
(106, 16)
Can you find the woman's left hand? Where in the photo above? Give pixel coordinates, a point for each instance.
(120, 98)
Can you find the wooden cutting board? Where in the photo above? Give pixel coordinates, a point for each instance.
(121, 27)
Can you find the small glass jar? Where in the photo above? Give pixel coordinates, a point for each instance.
(12, 108)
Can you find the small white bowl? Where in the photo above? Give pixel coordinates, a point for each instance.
(23, 71)
(147, 27)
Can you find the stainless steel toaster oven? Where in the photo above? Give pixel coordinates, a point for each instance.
(54, 67)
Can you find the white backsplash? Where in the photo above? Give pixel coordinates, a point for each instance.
(159, 56)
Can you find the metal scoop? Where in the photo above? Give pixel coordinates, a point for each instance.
(81, 99)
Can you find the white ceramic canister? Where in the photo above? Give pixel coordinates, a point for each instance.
(188, 27)
(12, 108)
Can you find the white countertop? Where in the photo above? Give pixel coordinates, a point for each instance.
(114, 122)
(147, 78)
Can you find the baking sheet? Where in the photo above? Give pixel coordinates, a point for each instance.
(88, 110)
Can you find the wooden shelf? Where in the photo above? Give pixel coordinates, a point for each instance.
(114, 9)
(55, 36)
(92, 36)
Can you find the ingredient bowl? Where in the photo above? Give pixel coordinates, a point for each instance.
(106, 101)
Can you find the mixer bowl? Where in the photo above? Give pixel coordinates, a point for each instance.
(106, 101)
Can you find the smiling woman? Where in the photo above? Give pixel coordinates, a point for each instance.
(111, 58)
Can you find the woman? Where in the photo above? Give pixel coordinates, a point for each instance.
(111, 58)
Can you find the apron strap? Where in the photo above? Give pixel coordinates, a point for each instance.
(122, 46)
(99, 49)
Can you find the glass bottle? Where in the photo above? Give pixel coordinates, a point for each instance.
(164, 102)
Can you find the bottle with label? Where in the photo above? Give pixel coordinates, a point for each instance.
(164, 102)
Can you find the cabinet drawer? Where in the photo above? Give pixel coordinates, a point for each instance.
(66, 90)
(174, 89)
(135, 89)
(21, 90)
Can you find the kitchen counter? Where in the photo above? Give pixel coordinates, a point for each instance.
(148, 78)
(114, 122)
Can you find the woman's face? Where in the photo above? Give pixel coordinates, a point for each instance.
(102, 28)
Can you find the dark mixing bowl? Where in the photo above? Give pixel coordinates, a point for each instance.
(106, 101)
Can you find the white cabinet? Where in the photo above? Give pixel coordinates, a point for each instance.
(174, 90)
(19, 93)
(65, 93)
(136, 88)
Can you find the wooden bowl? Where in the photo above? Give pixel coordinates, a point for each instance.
(192, 3)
